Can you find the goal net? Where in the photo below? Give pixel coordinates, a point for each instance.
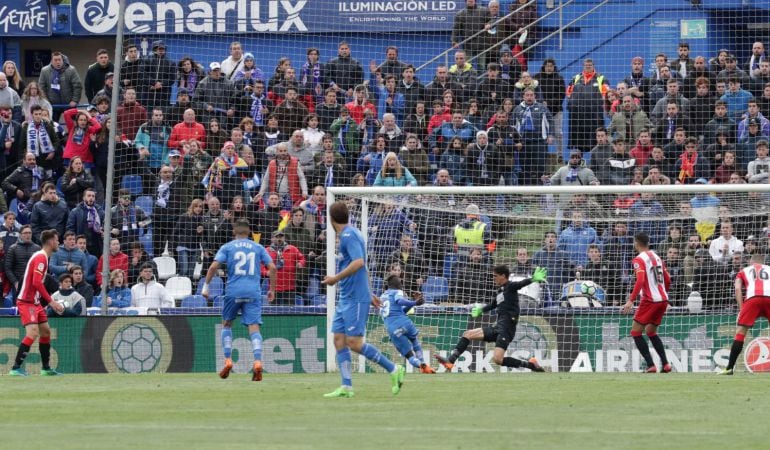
(444, 241)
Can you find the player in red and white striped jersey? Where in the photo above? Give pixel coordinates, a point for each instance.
(31, 303)
(755, 279)
(652, 283)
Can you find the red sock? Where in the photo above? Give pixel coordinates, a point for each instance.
(636, 333)
(28, 341)
(740, 337)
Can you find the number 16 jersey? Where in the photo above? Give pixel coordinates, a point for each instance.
(756, 280)
(651, 269)
(243, 258)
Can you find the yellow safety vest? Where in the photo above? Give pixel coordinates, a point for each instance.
(599, 81)
(470, 237)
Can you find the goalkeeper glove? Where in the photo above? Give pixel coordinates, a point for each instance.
(540, 274)
(477, 310)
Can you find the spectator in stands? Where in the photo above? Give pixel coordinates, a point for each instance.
(75, 181)
(630, 121)
(441, 83)
(118, 260)
(746, 148)
(131, 70)
(411, 259)
(233, 63)
(82, 286)
(553, 259)
(416, 123)
(391, 65)
(87, 219)
(753, 113)
(347, 138)
(329, 170)
(118, 295)
(292, 184)
(394, 136)
(158, 77)
(301, 236)
(15, 80)
(484, 163)
(9, 230)
(267, 219)
(17, 255)
(106, 91)
(67, 256)
(186, 130)
(389, 100)
(413, 156)
(315, 210)
(758, 83)
(167, 207)
(524, 82)
(344, 72)
(736, 98)
(491, 90)
(131, 115)
(758, 169)
(224, 177)
(442, 112)
(574, 173)
(470, 284)
(472, 232)
(291, 112)
(329, 110)
(711, 280)
(81, 130)
(386, 225)
(731, 70)
(312, 135)
(691, 166)
(601, 151)
(453, 161)
(89, 267)
(97, 72)
(667, 127)
(552, 89)
(393, 173)
(535, 124)
(522, 265)
(619, 167)
(643, 149)
(655, 174)
(194, 167)
(411, 88)
(683, 65)
(457, 127)
(510, 68)
(467, 23)
(585, 102)
(148, 293)
(463, 73)
(312, 81)
(283, 65)
(152, 140)
(298, 149)
(725, 170)
(701, 106)
(188, 238)
(50, 212)
(215, 137)
(61, 84)
(720, 121)
(24, 181)
(674, 238)
(213, 95)
(288, 260)
(574, 239)
(138, 256)
(675, 269)
(128, 220)
(604, 274)
(36, 136)
(644, 217)
(175, 113)
(74, 303)
(672, 95)
(33, 96)
(757, 57)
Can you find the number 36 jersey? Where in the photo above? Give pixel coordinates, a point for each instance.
(243, 258)
(651, 269)
(756, 280)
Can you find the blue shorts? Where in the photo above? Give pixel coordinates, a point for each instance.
(402, 333)
(250, 308)
(350, 318)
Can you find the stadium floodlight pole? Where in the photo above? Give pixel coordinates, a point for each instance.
(111, 156)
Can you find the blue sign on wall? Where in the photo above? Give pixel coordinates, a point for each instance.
(264, 16)
(24, 18)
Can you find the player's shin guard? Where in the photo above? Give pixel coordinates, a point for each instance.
(45, 352)
(372, 354)
(462, 344)
(735, 350)
(256, 345)
(21, 355)
(343, 362)
(227, 342)
(657, 344)
(418, 350)
(643, 348)
(413, 359)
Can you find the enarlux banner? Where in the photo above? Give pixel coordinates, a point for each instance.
(296, 343)
(91, 17)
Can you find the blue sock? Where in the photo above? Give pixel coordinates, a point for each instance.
(414, 361)
(417, 348)
(227, 342)
(343, 362)
(372, 354)
(256, 345)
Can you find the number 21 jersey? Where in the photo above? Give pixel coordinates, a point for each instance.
(243, 258)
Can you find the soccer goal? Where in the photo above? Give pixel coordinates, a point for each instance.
(445, 241)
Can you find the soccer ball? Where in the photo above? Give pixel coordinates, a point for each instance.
(588, 288)
(136, 348)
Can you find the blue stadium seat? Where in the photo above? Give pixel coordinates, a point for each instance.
(194, 301)
(133, 183)
(216, 287)
(146, 240)
(145, 203)
(435, 289)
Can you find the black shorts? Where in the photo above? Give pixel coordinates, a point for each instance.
(502, 332)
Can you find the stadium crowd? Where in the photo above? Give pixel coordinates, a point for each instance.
(242, 141)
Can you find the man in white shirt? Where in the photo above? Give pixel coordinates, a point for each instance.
(148, 293)
(723, 247)
(234, 62)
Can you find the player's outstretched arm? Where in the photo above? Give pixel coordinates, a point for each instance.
(629, 306)
(739, 292)
(353, 267)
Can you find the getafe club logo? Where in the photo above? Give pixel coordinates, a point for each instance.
(98, 16)
(756, 357)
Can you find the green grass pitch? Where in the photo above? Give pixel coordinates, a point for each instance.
(447, 411)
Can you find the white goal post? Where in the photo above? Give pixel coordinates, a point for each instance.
(519, 217)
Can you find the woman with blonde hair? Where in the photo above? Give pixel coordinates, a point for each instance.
(118, 295)
(33, 95)
(14, 79)
(393, 173)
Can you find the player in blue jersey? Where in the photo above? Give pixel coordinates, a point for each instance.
(243, 258)
(352, 311)
(393, 310)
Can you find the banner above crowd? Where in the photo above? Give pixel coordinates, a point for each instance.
(25, 18)
(263, 16)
